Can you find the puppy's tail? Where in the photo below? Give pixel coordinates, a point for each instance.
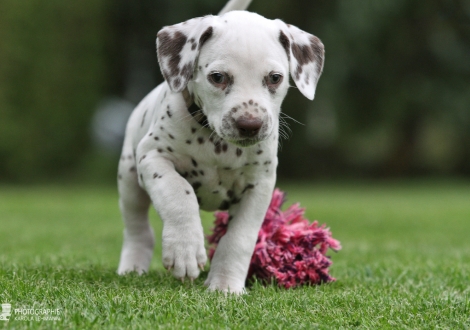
(235, 5)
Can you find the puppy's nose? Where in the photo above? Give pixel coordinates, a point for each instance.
(248, 127)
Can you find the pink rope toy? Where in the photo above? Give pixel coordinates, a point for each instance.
(289, 249)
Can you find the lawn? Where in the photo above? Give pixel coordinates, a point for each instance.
(405, 263)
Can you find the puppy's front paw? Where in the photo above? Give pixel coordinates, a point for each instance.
(184, 252)
(136, 252)
(225, 284)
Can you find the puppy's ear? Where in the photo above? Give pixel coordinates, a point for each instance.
(306, 55)
(178, 48)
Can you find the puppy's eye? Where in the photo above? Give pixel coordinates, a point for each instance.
(218, 79)
(274, 78)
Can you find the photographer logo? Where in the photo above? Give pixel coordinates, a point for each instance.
(6, 312)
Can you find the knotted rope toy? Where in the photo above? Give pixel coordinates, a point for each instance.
(289, 249)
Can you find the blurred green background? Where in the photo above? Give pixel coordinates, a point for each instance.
(393, 101)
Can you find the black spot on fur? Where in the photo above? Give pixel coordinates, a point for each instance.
(187, 192)
(194, 162)
(193, 172)
(188, 141)
(169, 149)
(224, 147)
(298, 71)
(239, 152)
(200, 140)
(156, 138)
(132, 169)
(187, 69)
(171, 136)
(247, 187)
(193, 130)
(196, 185)
(235, 200)
(205, 36)
(155, 175)
(224, 205)
(229, 85)
(284, 40)
(176, 82)
(259, 152)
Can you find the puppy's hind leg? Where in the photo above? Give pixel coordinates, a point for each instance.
(139, 241)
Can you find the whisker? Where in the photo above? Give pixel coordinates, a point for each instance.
(289, 117)
(190, 115)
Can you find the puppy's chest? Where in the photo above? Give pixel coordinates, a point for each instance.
(219, 179)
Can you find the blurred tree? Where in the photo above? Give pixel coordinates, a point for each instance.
(52, 73)
(394, 98)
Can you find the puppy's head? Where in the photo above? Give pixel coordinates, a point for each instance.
(236, 67)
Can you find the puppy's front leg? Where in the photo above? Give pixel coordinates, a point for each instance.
(229, 266)
(174, 199)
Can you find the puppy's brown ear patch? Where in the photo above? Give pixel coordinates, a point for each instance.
(306, 55)
(177, 49)
(284, 40)
(171, 47)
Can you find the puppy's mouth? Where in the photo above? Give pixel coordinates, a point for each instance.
(248, 142)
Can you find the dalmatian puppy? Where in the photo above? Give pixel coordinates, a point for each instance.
(207, 138)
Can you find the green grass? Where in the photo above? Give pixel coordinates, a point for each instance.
(405, 263)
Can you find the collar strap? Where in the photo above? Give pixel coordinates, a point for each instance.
(194, 110)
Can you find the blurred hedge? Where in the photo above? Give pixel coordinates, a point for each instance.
(394, 98)
(52, 74)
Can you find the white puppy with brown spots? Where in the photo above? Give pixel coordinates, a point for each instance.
(207, 138)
